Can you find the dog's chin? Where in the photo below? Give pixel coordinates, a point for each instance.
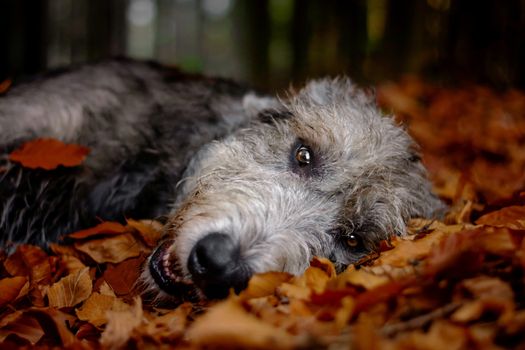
(164, 276)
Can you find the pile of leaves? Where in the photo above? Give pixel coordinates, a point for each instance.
(456, 284)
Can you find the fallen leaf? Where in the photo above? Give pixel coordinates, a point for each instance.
(104, 228)
(511, 217)
(264, 284)
(121, 324)
(112, 249)
(96, 307)
(21, 325)
(70, 290)
(228, 325)
(168, 327)
(122, 277)
(408, 251)
(48, 154)
(362, 278)
(29, 261)
(12, 288)
(56, 325)
(5, 85)
(150, 230)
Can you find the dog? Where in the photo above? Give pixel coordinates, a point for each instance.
(246, 183)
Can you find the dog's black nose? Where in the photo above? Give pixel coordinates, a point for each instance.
(216, 266)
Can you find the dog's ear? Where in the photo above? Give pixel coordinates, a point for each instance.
(253, 105)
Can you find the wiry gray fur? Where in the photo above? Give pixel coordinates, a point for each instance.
(216, 158)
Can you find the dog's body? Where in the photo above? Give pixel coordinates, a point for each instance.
(249, 183)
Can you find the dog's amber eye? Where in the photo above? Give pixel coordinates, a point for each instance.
(303, 155)
(352, 241)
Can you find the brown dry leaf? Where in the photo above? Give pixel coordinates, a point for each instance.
(71, 264)
(382, 293)
(168, 327)
(122, 277)
(5, 85)
(12, 289)
(29, 261)
(409, 251)
(511, 217)
(441, 335)
(149, 230)
(457, 255)
(264, 284)
(48, 154)
(71, 290)
(228, 325)
(121, 324)
(314, 280)
(497, 241)
(21, 325)
(56, 325)
(112, 249)
(491, 295)
(361, 277)
(104, 228)
(96, 307)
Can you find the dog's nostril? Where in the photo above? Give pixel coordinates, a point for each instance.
(215, 265)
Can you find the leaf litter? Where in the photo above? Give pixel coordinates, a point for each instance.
(458, 283)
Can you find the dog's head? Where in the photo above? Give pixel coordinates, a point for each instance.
(322, 174)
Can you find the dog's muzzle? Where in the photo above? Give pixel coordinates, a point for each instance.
(216, 266)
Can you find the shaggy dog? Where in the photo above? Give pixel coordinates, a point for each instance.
(247, 183)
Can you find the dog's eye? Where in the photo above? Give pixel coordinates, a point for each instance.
(353, 241)
(303, 155)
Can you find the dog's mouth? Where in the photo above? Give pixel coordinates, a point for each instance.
(167, 272)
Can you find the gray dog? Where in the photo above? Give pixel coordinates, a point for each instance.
(247, 183)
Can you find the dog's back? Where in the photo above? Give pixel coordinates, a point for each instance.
(142, 123)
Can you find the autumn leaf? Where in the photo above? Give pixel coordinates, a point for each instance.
(228, 325)
(96, 307)
(104, 228)
(112, 249)
(21, 325)
(121, 324)
(12, 289)
(122, 277)
(48, 154)
(70, 290)
(264, 284)
(5, 85)
(149, 230)
(511, 217)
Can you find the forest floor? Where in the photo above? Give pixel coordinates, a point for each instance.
(455, 284)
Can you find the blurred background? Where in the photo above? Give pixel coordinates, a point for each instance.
(272, 43)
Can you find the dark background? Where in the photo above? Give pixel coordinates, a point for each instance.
(271, 43)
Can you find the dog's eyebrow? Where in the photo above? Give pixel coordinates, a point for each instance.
(269, 116)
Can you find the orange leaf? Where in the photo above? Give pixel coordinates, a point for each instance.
(107, 227)
(71, 289)
(49, 154)
(264, 284)
(29, 261)
(149, 230)
(10, 289)
(21, 325)
(228, 325)
(511, 217)
(5, 85)
(112, 249)
(122, 277)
